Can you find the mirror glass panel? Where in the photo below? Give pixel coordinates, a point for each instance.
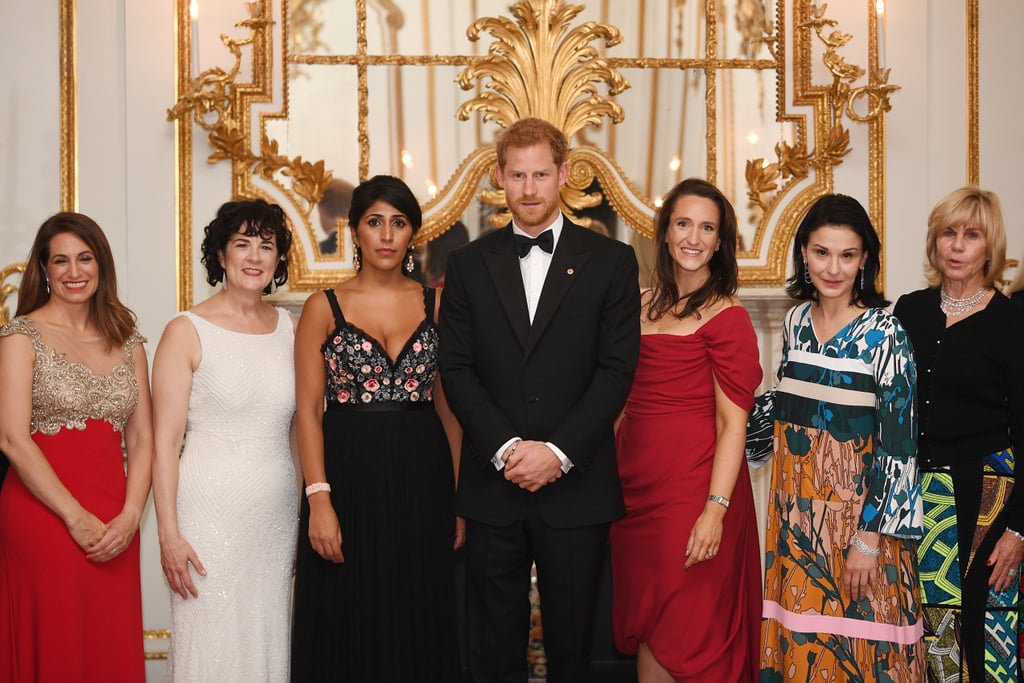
(415, 51)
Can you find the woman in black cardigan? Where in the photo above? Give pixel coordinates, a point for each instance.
(966, 338)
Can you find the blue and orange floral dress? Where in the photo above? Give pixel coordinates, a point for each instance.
(845, 459)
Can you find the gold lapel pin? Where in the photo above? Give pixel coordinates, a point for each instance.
(569, 271)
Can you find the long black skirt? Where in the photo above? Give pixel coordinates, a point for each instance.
(387, 614)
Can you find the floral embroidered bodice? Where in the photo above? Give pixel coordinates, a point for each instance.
(67, 394)
(359, 370)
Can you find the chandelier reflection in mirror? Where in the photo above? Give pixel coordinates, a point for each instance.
(649, 93)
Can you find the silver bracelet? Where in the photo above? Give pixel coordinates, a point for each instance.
(721, 500)
(863, 547)
(1020, 536)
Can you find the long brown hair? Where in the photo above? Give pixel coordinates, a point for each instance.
(114, 320)
(724, 276)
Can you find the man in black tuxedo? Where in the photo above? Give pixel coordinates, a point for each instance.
(540, 334)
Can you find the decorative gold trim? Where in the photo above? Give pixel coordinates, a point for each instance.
(540, 64)
(711, 89)
(216, 92)
(876, 143)
(973, 100)
(7, 289)
(832, 141)
(589, 162)
(363, 89)
(558, 87)
(156, 634)
(183, 151)
(68, 107)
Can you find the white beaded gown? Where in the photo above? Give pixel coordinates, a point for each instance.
(238, 507)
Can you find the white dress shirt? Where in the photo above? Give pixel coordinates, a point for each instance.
(534, 268)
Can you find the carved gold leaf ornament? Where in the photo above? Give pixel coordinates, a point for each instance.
(7, 289)
(539, 66)
(761, 178)
(794, 162)
(837, 147)
(213, 93)
(539, 63)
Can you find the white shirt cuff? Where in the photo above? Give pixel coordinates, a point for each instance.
(566, 462)
(496, 460)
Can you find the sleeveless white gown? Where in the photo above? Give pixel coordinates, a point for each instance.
(238, 507)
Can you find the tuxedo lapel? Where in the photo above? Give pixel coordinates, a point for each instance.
(566, 264)
(503, 265)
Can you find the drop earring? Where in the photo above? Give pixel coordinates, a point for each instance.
(862, 279)
(410, 262)
(807, 274)
(357, 261)
(47, 280)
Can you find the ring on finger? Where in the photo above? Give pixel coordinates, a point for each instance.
(1012, 571)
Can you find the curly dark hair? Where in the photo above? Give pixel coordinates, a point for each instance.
(724, 272)
(251, 217)
(842, 211)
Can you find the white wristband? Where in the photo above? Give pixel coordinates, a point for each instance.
(317, 487)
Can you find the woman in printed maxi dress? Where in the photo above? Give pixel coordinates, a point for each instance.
(841, 594)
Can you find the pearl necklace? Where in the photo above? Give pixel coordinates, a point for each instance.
(955, 308)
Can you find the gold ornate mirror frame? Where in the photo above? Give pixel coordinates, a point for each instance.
(540, 61)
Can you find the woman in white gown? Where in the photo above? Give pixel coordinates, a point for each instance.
(227, 509)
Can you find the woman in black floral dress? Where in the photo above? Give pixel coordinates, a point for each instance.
(374, 585)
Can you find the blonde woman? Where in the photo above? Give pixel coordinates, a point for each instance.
(966, 337)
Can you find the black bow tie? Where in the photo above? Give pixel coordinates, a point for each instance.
(545, 240)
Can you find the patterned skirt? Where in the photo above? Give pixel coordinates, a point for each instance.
(971, 632)
(811, 630)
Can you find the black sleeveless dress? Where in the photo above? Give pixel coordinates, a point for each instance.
(387, 614)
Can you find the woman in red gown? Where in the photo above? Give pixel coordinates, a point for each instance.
(74, 380)
(685, 558)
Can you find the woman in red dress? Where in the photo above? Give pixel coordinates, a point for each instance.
(75, 385)
(685, 558)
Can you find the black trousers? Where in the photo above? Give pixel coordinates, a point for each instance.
(569, 566)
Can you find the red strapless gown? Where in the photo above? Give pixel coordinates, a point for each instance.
(702, 624)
